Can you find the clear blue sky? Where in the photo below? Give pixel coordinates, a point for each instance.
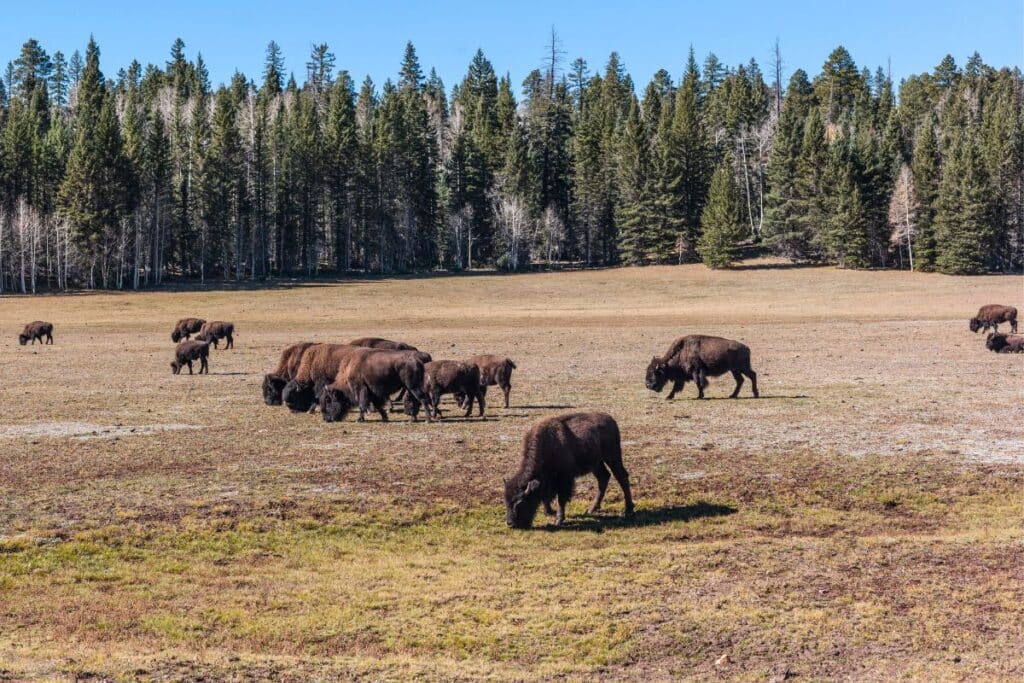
(369, 36)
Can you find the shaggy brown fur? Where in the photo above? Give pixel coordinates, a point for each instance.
(449, 377)
(273, 383)
(696, 357)
(1005, 343)
(378, 343)
(991, 316)
(36, 330)
(186, 327)
(216, 330)
(370, 376)
(556, 451)
(494, 370)
(189, 350)
(317, 368)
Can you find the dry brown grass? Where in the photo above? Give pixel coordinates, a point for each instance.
(863, 520)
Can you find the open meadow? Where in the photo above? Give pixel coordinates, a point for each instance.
(862, 520)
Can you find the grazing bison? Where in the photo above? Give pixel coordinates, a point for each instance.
(696, 357)
(1005, 343)
(370, 376)
(274, 382)
(36, 330)
(189, 350)
(494, 370)
(186, 327)
(449, 377)
(991, 315)
(556, 451)
(216, 330)
(317, 368)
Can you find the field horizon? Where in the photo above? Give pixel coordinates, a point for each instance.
(862, 520)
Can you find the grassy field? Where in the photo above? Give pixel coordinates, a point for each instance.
(862, 520)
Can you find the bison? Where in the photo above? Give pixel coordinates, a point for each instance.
(556, 451)
(1005, 343)
(317, 368)
(370, 376)
(216, 330)
(449, 377)
(189, 350)
(274, 382)
(36, 330)
(185, 328)
(494, 370)
(991, 316)
(696, 357)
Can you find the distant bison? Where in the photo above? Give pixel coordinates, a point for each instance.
(317, 368)
(991, 316)
(556, 451)
(274, 382)
(36, 330)
(217, 330)
(1005, 343)
(189, 350)
(370, 376)
(378, 343)
(695, 358)
(494, 370)
(449, 377)
(186, 327)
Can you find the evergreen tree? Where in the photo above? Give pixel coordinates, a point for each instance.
(926, 190)
(721, 226)
(963, 230)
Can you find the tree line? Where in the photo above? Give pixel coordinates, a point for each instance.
(151, 175)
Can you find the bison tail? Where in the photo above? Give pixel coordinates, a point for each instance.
(510, 363)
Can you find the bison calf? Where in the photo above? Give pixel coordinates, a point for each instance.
(556, 451)
(1005, 343)
(274, 382)
(696, 357)
(494, 370)
(216, 330)
(991, 316)
(185, 328)
(190, 350)
(36, 330)
(449, 377)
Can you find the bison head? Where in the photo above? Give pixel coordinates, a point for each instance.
(521, 502)
(995, 341)
(175, 367)
(273, 385)
(334, 404)
(298, 397)
(23, 339)
(974, 324)
(657, 374)
(176, 335)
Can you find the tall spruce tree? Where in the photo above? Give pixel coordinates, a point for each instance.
(721, 226)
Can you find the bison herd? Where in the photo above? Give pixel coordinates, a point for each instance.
(371, 372)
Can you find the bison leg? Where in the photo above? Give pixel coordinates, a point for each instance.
(190, 367)
(418, 395)
(603, 477)
(204, 365)
(677, 386)
(622, 476)
(753, 380)
(378, 404)
(231, 342)
(480, 403)
(548, 510)
(399, 397)
(506, 388)
(702, 382)
(564, 494)
(739, 383)
(1013, 326)
(49, 337)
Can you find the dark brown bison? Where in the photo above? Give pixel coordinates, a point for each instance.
(1005, 343)
(36, 330)
(186, 327)
(371, 376)
(189, 350)
(556, 451)
(317, 368)
(378, 343)
(273, 383)
(494, 370)
(216, 330)
(449, 377)
(991, 316)
(696, 357)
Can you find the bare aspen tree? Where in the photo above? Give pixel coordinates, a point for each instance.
(512, 217)
(903, 212)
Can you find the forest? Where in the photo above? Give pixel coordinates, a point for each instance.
(153, 175)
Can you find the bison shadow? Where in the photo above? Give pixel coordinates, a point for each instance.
(553, 406)
(643, 517)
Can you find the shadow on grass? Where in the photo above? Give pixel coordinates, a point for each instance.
(553, 406)
(643, 517)
(746, 398)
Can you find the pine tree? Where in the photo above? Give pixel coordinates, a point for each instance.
(963, 229)
(784, 230)
(925, 170)
(721, 226)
